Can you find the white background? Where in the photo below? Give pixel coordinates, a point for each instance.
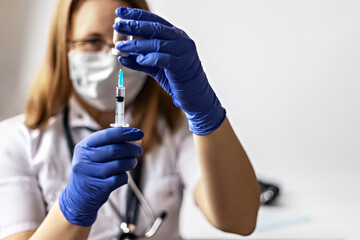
(288, 74)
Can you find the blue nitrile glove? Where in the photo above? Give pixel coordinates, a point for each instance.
(168, 55)
(98, 167)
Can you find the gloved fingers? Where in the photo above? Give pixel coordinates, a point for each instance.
(139, 14)
(157, 73)
(144, 46)
(111, 183)
(112, 136)
(161, 60)
(111, 152)
(147, 29)
(108, 169)
(130, 62)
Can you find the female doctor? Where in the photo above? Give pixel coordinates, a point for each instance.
(52, 189)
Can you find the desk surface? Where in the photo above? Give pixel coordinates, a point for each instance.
(317, 206)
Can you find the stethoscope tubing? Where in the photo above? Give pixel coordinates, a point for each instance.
(155, 223)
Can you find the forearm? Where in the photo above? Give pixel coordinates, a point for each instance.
(228, 192)
(55, 226)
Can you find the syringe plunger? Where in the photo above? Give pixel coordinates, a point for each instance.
(120, 94)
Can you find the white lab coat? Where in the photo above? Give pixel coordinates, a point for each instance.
(35, 166)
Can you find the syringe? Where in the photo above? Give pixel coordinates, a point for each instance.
(120, 103)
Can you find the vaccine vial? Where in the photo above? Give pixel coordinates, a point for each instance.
(117, 37)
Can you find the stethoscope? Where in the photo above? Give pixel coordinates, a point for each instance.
(134, 197)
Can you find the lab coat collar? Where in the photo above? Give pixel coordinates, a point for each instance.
(79, 117)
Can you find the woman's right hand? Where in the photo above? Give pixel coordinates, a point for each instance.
(99, 167)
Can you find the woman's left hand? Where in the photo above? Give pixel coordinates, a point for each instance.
(168, 55)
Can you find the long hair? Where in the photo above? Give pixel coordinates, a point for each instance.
(52, 86)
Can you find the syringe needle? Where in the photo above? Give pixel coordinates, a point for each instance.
(121, 78)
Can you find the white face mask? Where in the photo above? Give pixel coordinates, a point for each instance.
(94, 76)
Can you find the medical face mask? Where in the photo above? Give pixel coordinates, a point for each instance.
(94, 76)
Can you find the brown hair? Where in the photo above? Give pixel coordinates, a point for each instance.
(52, 87)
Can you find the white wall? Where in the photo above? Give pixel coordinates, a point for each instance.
(286, 71)
(23, 35)
(288, 74)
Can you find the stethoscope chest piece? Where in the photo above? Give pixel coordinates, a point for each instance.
(127, 236)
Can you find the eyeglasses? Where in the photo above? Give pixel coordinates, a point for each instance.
(91, 45)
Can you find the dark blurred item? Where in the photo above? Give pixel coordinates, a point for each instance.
(269, 192)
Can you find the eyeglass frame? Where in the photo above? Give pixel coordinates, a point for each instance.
(108, 46)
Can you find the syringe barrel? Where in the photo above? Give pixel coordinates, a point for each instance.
(120, 108)
(120, 94)
(117, 37)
